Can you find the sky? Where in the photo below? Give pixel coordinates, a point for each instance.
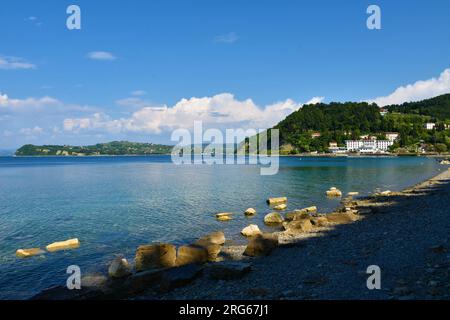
(137, 70)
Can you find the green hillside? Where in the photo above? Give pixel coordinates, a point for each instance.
(111, 148)
(313, 127)
(437, 107)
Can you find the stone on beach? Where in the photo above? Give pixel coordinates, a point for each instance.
(273, 218)
(320, 221)
(93, 280)
(261, 245)
(280, 207)
(342, 218)
(334, 192)
(301, 214)
(191, 254)
(251, 231)
(298, 226)
(250, 212)
(279, 200)
(353, 193)
(25, 253)
(63, 245)
(119, 268)
(160, 255)
(296, 215)
(212, 243)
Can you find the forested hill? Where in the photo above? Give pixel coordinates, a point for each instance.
(349, 116)
(313, 127)
(110, 148)
(332, 120)
(437, 107)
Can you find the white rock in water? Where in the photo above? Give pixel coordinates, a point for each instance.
(333, 192)
(277, 200)
(25, 253)
(251, 230)
(63, 245)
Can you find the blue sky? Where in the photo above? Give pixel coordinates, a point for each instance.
(125, 74)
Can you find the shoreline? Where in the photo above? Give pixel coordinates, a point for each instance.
(197, 281)
(422, 270)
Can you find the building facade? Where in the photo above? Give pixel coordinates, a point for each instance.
(368, 146)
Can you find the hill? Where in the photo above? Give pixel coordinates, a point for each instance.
(437, 107)
(110, 148)
(313, 127)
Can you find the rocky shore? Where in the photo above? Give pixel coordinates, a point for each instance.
(312, 256)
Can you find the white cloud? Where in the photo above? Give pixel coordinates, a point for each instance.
(138, 93)
(419, 90)
(220, 111)
(101, 55)
(5, 101)
(32, 131)
(226, 38)
(14, 63)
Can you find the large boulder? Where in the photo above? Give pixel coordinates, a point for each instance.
(261, 245)
(251, 231)
(119, 268)
(273, 201)
(212, 243)
(161, 255)
(273, 218)
(298, 226)
(63, 245)
(26, 253)
(212, 249)
(319, 221)
(250, 212)
(216, 237)
(191, 254)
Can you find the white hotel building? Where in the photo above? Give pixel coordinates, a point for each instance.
(368, 146)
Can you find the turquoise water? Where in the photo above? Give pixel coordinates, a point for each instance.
(114, 204)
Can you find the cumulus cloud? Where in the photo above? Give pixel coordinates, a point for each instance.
(101, 55)
(14, 63)
(226, 38)
(220, 111)
(419, 90)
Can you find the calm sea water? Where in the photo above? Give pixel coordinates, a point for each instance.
(114, 204)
